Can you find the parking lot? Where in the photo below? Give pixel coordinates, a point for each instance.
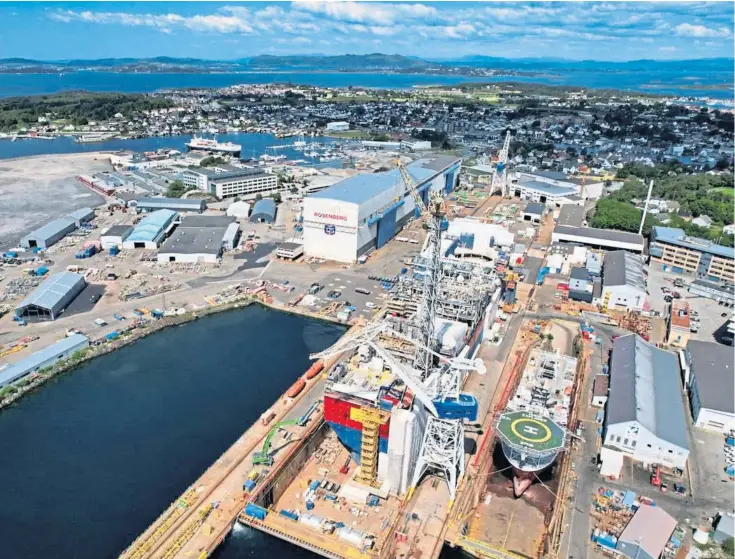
(713, 317)
(707, 464)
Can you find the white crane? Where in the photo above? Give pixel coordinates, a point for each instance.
(500, 173)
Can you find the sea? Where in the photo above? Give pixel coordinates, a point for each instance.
(92, 458)
(662, 81)
(253, 146)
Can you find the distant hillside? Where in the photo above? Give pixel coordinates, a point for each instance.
(703, 64)
(343, 62)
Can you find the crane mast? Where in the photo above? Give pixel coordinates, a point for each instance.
(500, 174)
(434, 214)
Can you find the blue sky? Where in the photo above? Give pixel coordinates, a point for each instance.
(575, 30)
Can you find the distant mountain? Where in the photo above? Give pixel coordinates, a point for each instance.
(539, 64)
(374, 61)
(367, 62)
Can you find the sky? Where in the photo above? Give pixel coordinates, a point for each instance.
(573, 30)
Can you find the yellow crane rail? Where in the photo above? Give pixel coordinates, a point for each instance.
(188, 532)
(141, 547)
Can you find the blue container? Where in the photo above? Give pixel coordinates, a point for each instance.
(289, 514)
(309, 505)
(114, 251)
(112, 336)
(373, 501)
(339, 524)
(14, 254)
(249, 485)
(255, 511)
(314, 485)
(42, 271)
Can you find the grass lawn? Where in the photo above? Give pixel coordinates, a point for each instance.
(725, 190)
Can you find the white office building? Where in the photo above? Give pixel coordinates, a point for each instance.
(623, 282)
(245, 183)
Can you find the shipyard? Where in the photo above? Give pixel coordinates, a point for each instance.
(481, 319)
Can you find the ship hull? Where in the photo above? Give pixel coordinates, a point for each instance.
(224, 151)
(340, 413)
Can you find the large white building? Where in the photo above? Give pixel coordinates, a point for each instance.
(362, 213)
(246, 183)
(645, 416)
(709, 377)
(623, 282)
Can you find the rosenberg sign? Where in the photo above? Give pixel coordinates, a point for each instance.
(330, 216)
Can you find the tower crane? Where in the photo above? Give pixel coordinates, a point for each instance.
(500, 173)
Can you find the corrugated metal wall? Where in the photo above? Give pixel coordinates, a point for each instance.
(387, 227)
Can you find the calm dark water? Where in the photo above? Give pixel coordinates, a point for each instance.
(653, 80)
(89, 461)
(253, 145)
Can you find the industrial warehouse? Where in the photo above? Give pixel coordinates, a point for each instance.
(50, 298)
(362, 213)
(198, 239)
(51, 233)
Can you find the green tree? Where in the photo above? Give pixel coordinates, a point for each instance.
(258, 197)
(622, 216)
(277, 197)
(728, 546)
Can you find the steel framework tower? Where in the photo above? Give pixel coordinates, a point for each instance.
(442, 449)
(427, 310)
(500, 174)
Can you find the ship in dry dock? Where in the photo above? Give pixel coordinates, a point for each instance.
(371, 409)
(533, 428)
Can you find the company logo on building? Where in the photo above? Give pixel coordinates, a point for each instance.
(330, 216)
(330, 229)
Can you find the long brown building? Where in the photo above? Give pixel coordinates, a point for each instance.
(680, 253)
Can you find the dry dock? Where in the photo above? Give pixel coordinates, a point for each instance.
(417, 526)
(203, 516)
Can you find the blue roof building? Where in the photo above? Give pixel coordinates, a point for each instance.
(677, 252)
(152, 230)
(362, 213)
(264, 211)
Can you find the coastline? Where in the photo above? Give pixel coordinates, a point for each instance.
(147, 327)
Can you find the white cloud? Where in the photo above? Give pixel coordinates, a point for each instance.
(689, 30)
(215, 23)
(667, 49)
(369, 12)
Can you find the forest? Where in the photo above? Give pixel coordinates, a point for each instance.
(74, 107)
(702, 194)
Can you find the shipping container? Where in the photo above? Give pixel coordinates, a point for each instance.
(289, 514)
(255, 511)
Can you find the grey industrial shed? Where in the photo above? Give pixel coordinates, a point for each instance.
(50, 298)
(45, 357)
(264, 211)
(52, 232)
(644, 387)
(174, 204)
(82, 215)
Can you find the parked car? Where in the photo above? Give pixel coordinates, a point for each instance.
(94, 298)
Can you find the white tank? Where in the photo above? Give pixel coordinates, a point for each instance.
(311, 520)
(351, 536)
